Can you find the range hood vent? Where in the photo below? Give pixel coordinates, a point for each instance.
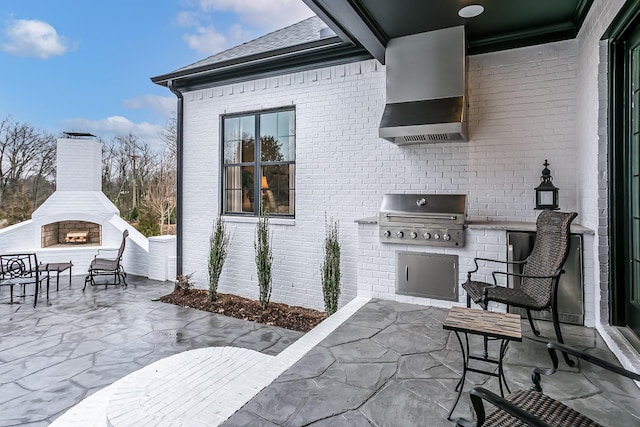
(426, 88)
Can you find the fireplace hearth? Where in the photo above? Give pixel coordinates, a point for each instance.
(71, 233)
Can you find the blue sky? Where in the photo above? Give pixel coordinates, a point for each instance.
(78, 65)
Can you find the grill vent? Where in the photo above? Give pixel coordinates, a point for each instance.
(415, 138)
(409, 139)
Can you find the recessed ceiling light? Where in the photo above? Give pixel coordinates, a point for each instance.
(471, 11)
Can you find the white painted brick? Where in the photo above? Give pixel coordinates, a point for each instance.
(523, 110)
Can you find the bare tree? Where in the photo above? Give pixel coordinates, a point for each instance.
(160, 195)
(128, 162)
(26, 160)
(169, 136)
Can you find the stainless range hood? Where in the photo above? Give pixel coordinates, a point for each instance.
(426, 88)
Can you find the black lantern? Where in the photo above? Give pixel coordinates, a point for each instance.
(546, 192)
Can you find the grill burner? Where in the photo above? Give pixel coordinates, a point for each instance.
(423, 219)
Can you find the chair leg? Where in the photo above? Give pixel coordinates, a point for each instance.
(536, 332)
(556, 327)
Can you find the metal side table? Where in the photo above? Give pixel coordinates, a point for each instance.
(55, 267)
(502, 326)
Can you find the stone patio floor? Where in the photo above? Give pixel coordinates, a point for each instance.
(374, 363)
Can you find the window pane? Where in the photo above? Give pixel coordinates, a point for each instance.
(277, 189)
(247, 128)
(239, 151)
(269, 125)
(286, 123)
(232, 129)
(239, 189)
(271, 150)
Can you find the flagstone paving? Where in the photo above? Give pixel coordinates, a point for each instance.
(392, 364)
(375, 363)
(55, 355)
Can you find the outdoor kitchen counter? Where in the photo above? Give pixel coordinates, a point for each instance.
(496, 225)
(368, 220)
(519, 226)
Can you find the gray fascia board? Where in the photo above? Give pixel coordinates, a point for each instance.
(251, 60)
(347, 22)
(220, 77)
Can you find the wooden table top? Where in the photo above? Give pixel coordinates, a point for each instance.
(487, 323)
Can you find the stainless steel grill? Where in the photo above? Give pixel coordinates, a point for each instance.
(423, 219)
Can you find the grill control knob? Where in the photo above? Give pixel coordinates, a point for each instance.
(400, 234)
(447, 236)
(427, 236)
(436, 236)
(387, 233)
(413, 235)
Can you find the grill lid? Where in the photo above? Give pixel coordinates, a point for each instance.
(406, 207)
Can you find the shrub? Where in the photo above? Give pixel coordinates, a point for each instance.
(183, 281)
(264, 258)
(149, 223)
(331, 267)
(218, 249)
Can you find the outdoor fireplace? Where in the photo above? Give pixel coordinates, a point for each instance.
(71, 233)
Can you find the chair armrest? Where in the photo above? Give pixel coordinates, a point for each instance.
(475, 261)
(525, 276)
(478, 394)
(553, 346)
(113, 250)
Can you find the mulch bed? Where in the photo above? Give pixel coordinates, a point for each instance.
(276, 314)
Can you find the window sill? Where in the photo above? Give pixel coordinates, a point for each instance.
(254, 220)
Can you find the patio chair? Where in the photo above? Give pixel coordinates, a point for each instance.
(540, 275)
(531, 407)
(101, 266)
(21, 269)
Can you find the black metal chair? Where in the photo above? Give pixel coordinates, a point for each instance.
(108, 266)
(21, 269)
(539, 278)
(531, 407)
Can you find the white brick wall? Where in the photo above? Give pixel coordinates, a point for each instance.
(79, 165)
(592, 133)
(522, 111)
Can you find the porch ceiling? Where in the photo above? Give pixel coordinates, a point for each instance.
(505, 24)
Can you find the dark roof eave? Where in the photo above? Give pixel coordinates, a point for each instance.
(312, 52)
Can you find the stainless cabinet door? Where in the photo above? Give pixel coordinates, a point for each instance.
(427, 275)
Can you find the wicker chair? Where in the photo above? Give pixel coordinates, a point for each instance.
(108, 266)
(531, 407)
(539, 278)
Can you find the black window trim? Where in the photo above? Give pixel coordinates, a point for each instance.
(257, 163)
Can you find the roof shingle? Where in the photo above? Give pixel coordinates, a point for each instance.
(302, 32)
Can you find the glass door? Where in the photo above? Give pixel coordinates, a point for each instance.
(632, 178)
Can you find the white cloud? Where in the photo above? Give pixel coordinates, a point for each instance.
(269, 15)
(115, 126)
(33, 38)
(238, 34)
(253, 17)
(165, 106)
(186, 19)
(206, 40)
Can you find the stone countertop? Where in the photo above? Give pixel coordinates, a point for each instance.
(367, 220)
(496, 225)
(519, 226)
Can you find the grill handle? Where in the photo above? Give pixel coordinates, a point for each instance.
(421, 218)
